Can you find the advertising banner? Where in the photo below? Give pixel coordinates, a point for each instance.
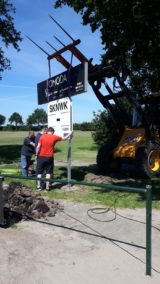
(69, 83)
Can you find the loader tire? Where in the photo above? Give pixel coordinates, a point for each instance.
(147, 161)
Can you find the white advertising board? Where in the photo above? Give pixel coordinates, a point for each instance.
(60, 116)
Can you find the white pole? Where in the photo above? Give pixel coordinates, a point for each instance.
(69, 163)
(69, 147)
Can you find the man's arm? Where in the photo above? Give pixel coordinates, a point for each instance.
(27, 142)
(32, 143)
(67, 136)
(38, 149)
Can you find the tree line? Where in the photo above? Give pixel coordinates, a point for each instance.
(36, 120)
(102, 126)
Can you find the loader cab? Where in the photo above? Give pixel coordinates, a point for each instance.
(136, 121)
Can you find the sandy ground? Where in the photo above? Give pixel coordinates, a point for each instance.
(72, 247)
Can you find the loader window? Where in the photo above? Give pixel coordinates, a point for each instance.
(136, 118)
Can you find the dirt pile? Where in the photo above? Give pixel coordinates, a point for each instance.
(110, 179)
(23, 201)
(90, 177)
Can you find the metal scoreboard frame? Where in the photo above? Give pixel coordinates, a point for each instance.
(60, 116)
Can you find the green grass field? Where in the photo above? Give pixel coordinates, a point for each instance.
(84, 150)
(83, 147)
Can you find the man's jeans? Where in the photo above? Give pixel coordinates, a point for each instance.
(25, 162)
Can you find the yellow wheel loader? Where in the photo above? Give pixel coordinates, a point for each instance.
(139, 143)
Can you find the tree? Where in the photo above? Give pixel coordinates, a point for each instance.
(8, 33)
(38, 117)
(83, 126)
(105, 129)
(106, 136)
(129, 30)
(2, 119)
(16, 118)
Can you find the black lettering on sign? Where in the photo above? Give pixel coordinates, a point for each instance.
(58, 106)
(50, 108)
(57, 80)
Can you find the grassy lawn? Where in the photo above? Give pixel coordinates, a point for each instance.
(83, 149)
(87, 194)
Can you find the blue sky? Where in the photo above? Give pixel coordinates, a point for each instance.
(18, 87)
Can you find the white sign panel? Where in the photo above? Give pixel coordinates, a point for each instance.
(60, 116)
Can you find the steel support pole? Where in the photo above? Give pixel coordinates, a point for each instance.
(148, 229)
(2, 220)
(69, 163)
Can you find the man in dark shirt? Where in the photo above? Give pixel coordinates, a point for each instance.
(28, 149)
(39, 134)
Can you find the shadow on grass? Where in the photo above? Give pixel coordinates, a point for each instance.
(10, 153)
(77, 173)
(92, 148)
(56, 150)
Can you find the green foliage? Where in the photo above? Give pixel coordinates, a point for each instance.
(2, 119)
(105, 129)
(129, 30)
(16, 118)
(84, 126)
(38, 117)
(9, 127)
(8, 33)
